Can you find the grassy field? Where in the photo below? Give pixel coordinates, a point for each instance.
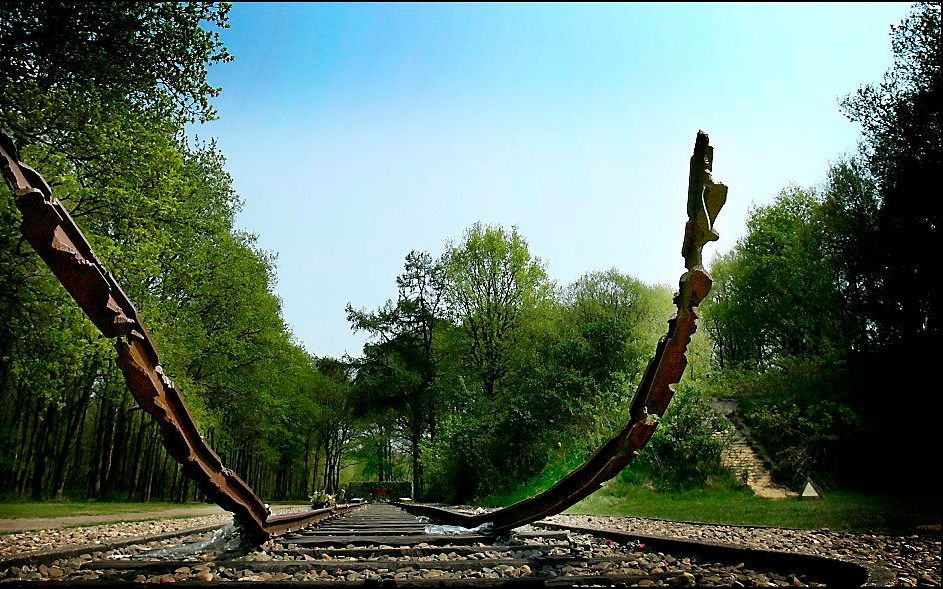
(729, 503)
(840, 510)
(34, 509)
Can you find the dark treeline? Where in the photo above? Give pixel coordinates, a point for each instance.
(826, 317)
(97, 96)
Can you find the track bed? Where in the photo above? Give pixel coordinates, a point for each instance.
(381, 545)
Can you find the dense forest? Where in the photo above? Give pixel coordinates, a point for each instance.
(98, 96)
(483, 373)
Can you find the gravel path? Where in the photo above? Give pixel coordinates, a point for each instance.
(914, 559)
(45, 539)
(43, 523)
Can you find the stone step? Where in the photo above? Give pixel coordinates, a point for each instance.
(741, 458)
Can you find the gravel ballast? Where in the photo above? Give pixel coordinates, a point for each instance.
(599, 558)
(915, 559)
(57, 538)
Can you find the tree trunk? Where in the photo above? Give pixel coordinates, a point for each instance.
(75, 413)
(39, 469)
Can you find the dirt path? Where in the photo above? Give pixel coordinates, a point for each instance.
(41, 523)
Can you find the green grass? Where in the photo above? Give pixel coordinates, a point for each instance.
(33, 509)
(841, 510)
(728, 502)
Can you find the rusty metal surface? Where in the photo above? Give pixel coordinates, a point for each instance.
(705, 199)
(55, 236)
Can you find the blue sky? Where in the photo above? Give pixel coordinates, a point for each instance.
(356, 133)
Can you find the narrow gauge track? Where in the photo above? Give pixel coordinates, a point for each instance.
(381, 545)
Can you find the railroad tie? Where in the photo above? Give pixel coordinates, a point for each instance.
(381, 545)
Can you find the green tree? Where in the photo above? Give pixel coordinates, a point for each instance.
(902, 126)
(686, 448)
(151, 57)
(620, 318)
(398, 370)
(492, 285)
(850, 244)
(604, 333)
(97, 96)
(337, 420)
(728, 316)
(775, 296)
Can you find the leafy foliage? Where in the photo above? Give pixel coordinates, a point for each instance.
(806, 438)
(494, 287)
(829, 304)
(774, 285)
(687, 446)
(902, 126)
(395, 378)
(97, 95)
(149, 56)
(518, 372)
(482, 378)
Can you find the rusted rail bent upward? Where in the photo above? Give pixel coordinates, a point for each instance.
(705, 199)
(52, 232)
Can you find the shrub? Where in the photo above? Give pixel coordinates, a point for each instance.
(686, 448)
(805, 413)
(806, 438)
(321, 499)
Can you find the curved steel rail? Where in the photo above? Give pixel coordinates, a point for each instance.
(705, 199)
(57, 239)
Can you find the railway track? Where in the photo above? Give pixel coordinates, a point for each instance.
(59, 241)
(382, 545)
